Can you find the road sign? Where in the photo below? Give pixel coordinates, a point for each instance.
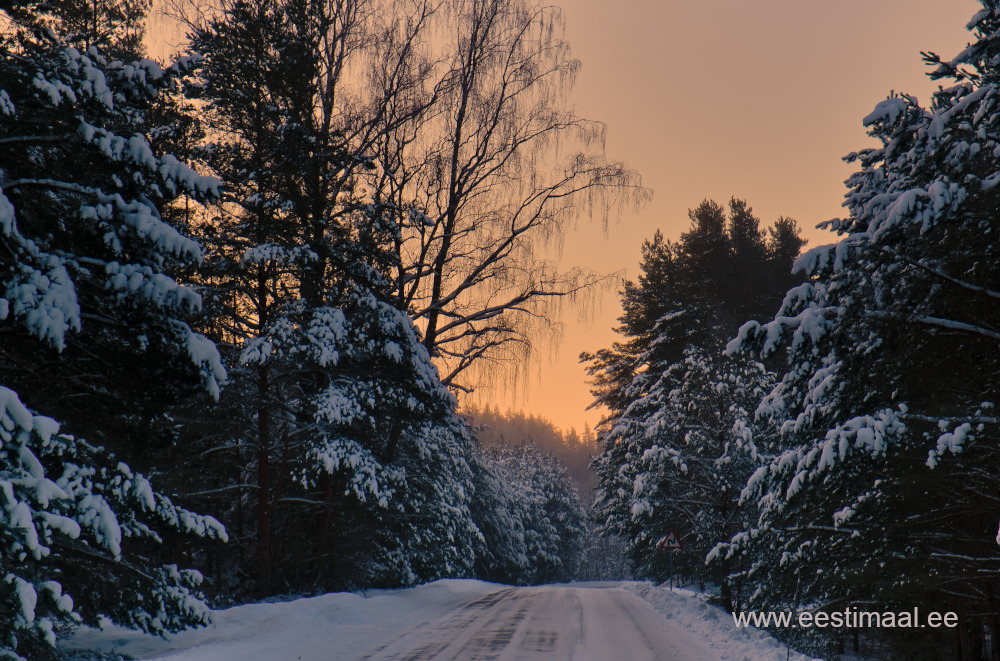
(670, 543)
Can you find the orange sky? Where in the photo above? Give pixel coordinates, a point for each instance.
(757, 99)
(718, 98)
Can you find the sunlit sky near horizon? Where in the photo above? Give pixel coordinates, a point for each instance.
(719, 98)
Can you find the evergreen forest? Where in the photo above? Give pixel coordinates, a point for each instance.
(247, 296)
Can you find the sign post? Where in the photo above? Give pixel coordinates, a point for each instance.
(670, 543)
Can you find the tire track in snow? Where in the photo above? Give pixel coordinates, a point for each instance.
(535, 624)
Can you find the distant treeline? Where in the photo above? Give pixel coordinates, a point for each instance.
(574, 450)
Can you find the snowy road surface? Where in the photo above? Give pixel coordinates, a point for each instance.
(557, 623)
(461, 620)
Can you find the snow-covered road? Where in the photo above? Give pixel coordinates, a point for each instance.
(548, 622)
(460, 620)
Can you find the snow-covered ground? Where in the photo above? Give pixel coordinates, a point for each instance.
(461, 620)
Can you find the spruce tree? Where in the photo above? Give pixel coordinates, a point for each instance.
(677, 459)
(886, 494)
(530, 515)
(345, 426)
(86, 294)
(680, 440)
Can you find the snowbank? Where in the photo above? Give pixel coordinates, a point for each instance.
(339, 625)
(688, 610)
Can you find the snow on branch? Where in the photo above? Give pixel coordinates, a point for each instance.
(937, 322)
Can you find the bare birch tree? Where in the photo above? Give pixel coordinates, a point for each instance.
(495, 168)
(462, 107)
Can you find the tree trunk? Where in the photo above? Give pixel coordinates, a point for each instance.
(263, 483)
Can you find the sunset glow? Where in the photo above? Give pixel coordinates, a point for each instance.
(727, 98)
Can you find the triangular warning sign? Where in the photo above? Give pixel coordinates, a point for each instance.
(670, 542)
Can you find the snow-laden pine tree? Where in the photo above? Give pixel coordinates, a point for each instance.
(343, 425)
(372, 434)
(887, 493)
(500, 551)
(680, 440)
(677, 459)
(689, 292)
(530, 515)
(84, 261)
